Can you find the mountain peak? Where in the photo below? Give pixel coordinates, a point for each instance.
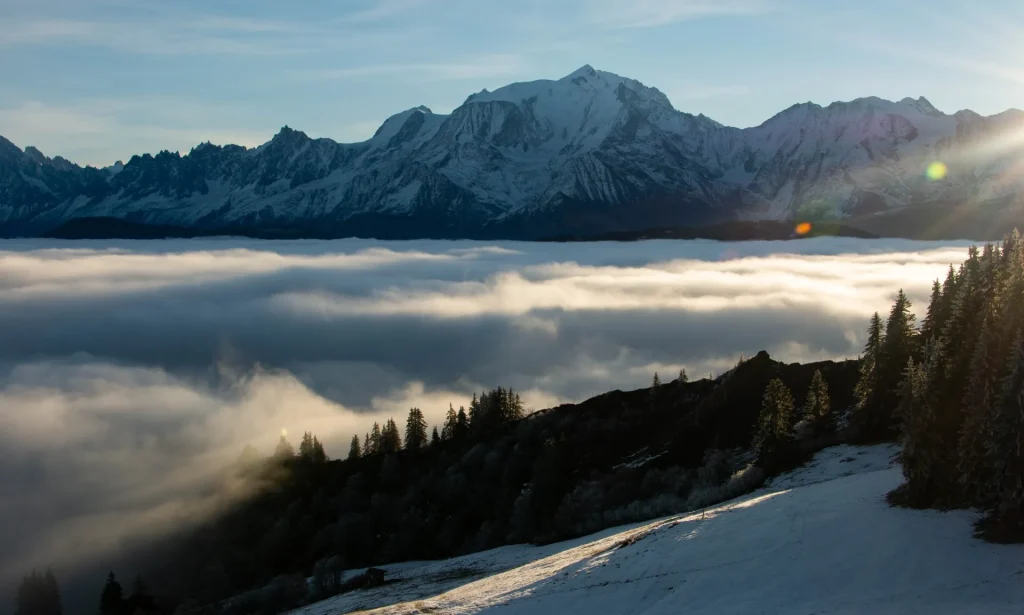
(286, 132)
(35, 155)
(584, 71)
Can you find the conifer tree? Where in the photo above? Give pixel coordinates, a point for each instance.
(474, 413)
(774, 440)
(682, 375)
(461, 424)
(656, 381)
(919, 434)
(38, 594)
(818, 406)
(319, 455)
(899, 345)
(306, 446)
(373, 441)
(435, 438)
(390, 438)
(1007, 438)
(112, 598)
(284, 449)
(451, 424)
(415, 429)
(978, 406)
(354, 450)
(930, 324)
(867, 411)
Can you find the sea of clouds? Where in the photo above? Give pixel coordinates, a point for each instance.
(131, 373)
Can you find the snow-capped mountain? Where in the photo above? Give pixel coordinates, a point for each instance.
(589, 153)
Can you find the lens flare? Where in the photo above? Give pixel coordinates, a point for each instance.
(284, 432)
(803, 228)
(936, 170)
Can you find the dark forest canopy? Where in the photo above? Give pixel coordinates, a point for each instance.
(494, 476)
(953, 389)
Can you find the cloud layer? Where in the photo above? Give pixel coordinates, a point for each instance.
(130, 372)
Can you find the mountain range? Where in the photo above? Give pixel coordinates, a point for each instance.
(591, 153)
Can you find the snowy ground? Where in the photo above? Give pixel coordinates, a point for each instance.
(818, 540)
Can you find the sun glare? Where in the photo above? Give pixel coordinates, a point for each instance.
(936, 170)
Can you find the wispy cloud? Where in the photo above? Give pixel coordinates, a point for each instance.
(206, 35)
(378, 10)
(652, 13)
(497, 65)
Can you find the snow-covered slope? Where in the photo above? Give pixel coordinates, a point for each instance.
(818, 540)
(590, 152)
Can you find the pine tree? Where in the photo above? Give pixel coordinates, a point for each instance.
(899, 345)
(918, 428)
(1006, 447)
(284, 449)
(415, 429)
(867, 411)
(111, 598)
(435, 438)
(682, 375)
(51, 590)
(978, 406)
(462, 424)
(306, 446)
(390, 438)
(474, 413)
(451, 424)
(774, 440)
(373, 440)
(38, 594)
(930, 325)
(354, 451)
(517, 411)
(319, 455)
(818, 408)
(656, 381)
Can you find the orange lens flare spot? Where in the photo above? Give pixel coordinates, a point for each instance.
(803, 228)
(936, 170)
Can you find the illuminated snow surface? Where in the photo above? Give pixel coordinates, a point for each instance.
(818, 540)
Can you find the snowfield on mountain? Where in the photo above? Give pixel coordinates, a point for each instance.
(589, 153)
(820, 539)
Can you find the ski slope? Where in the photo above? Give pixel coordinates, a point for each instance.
(818, 540)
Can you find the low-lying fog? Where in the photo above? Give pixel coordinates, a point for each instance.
(130, 372)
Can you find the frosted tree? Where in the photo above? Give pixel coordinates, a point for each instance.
(818, 406)
(774, 437)
(866, 407)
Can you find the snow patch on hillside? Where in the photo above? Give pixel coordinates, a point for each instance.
(818, 540)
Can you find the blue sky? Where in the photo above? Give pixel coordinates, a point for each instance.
(98, 80)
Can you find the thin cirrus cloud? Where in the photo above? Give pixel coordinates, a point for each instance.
(495, 65)
(161, 360)
(654, 13)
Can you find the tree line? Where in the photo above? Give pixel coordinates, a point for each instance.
(952, 389)
(488, 411)
(39, 594)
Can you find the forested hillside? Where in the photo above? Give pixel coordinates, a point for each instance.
(953, 389)
(490, 476)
